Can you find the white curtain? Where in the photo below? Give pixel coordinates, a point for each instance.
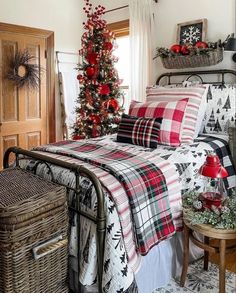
(142, 26)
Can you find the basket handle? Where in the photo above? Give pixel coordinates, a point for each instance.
(48, 247)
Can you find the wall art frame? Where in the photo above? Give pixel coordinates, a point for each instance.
(190, 32)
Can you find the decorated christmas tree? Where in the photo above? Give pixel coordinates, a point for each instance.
(98, 109)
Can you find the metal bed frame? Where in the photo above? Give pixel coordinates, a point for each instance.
(78, 170)
(189, 74)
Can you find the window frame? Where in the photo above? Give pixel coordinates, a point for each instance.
(119, 28)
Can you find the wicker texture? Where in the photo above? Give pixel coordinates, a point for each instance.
(32, 211)
(178, 62)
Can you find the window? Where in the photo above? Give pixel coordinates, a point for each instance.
(121, 30)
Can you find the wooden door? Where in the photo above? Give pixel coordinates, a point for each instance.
(24, 112)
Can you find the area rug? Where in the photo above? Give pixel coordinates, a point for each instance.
(201, 281)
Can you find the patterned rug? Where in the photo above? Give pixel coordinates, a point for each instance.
(201, 281)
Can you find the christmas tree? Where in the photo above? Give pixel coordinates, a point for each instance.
(98, 109)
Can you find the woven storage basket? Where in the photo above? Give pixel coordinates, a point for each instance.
(178, 62)
(33, 234)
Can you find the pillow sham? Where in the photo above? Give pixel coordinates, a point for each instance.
(172, 114)
(221, 109)
(193, 116)
(139, 131)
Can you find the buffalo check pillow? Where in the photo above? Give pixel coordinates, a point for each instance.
(195, 96)
(139, 131)
(172, 114)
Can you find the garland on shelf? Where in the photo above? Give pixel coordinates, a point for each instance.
(222, 217)
(22, 72)
(200, 48)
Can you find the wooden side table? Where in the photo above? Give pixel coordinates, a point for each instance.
(208, 232)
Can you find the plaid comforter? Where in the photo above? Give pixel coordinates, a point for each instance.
(143, 181)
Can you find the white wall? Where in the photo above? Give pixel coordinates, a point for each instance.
(61, 16)
(220, 14)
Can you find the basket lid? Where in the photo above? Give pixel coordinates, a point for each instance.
(18, 186)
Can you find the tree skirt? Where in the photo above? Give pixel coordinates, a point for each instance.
(201, 281)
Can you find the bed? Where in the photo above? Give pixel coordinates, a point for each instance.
(114, 255)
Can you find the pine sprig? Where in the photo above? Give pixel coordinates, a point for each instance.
(223, 217)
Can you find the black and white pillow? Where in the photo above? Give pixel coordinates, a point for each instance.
(139, 131)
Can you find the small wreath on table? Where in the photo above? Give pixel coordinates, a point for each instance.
(222, 217)
(22, 72)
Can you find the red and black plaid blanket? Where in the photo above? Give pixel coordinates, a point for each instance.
(143, 181)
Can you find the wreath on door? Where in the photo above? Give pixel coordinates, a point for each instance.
(23, 72)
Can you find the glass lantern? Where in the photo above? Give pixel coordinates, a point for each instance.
(212, 174)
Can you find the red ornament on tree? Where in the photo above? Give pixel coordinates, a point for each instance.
(185, 50)
(104, 89)
(201, 45)
(175, 48)
(92, 58)
(113, 105)
(107, 46)
(94, 118)
(90, 71)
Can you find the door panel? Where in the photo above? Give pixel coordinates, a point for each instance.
(23, 111)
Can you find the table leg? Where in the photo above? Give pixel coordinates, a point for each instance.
(185, 255)
(222, 266)
(206, 254)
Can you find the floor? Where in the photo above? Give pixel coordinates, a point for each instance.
(230, 259)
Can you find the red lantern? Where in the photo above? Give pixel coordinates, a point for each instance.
(90, 71)
(184, 50)
(94, 118)
(213, 173)
(92, 58)
(107, 46)
(175, 48)
(104, 89)
(202, 45)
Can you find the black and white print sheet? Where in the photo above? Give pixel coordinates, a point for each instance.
(118, 276)
(221, 109)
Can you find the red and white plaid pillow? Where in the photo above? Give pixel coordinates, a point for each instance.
(139, 131)
(172, 114)
(194, 95)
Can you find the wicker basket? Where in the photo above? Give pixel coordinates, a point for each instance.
(178, 62)
(33, 234)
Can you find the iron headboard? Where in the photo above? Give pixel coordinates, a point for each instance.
(198, 74)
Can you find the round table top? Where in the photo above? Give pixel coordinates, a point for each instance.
(209, 231)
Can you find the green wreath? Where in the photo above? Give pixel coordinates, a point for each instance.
(22, 72)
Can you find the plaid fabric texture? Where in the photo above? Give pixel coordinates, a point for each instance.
(172, 114)
(194, 95)
(139, 131)
(143, 181)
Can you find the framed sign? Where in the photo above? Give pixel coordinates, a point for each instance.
(189, 33)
